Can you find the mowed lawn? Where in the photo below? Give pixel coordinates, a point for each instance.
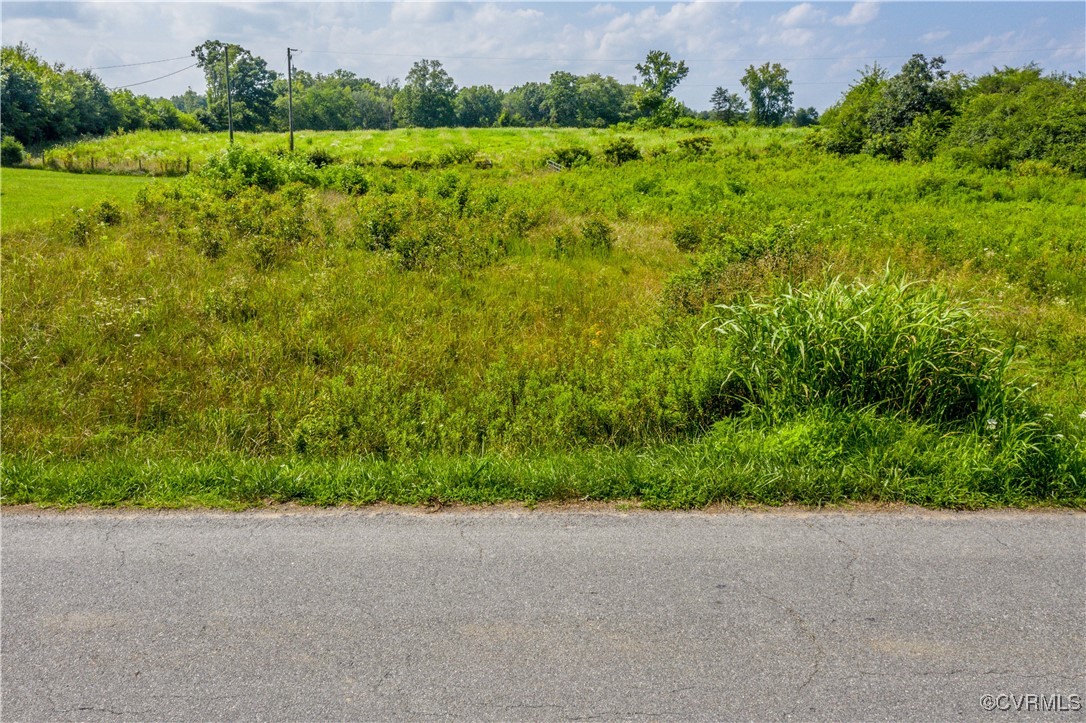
(33, 196)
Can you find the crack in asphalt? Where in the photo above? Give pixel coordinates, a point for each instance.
(854, 555)
(801, 626)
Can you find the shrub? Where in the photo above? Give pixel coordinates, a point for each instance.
(453, 155)
(319, 158)
(79, 230)
(570, 156)
(687, 237)
(621, 150)
(245, 167)
(11, 152)
(107, 212)
(348, 178)
(696, 145)
(598, 236)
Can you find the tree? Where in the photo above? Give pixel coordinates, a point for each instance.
(250, 82)
(770, 93)
(845, 126)
(523, 105)
(1018, 114)
(560, 99)
(21, 101)
(477, 106)
(189, 102)
(600, 100)
(427, 96)
(914, 91)
(660, 75)
(804, 117)
(728, 107)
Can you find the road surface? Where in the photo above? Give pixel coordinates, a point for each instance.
(513, 614)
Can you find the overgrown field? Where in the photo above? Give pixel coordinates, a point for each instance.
(163, 153)
(678, 317)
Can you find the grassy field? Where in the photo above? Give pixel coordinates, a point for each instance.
(436, 317)
(30, 197)
(168, 152)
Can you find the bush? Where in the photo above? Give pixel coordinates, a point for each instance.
(245, 167)
(349, 179)
(319, 158)
(599, 237)
(696, 145)
(621, 150)
(687, 237)
(453, 155)
(11, 152)
(570, 156)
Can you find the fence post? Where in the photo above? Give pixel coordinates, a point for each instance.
(188, 165)
(140, 160)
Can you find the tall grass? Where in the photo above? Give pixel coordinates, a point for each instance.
(275, 310)
(894, 347)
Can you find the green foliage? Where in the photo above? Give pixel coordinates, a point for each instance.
(11, 152)
(572, 156)
(44, 102)
(894, 347)
(621, 150)
(345, 178)
(1015, 115)
(845, 127)
(241, 165)
(251, 86)
(728, 107)
(427, 97)
(660, 74)
(770, 93)
(410, 334)
(696, 145)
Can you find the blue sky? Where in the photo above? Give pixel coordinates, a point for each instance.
(823, 44)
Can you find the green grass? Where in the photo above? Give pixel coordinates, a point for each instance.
(164, 152)
(29, 197)
(502, 332)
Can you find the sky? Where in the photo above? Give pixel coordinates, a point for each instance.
(823, 45)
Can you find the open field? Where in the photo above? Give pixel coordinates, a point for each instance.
(405, 322)
(30, 197)
(169, 152)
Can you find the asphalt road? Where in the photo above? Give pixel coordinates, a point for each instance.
(542, 615)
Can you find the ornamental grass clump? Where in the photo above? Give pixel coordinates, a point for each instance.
(893, 347)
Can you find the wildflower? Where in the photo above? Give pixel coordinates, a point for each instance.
(992, 424)
(1083, 415)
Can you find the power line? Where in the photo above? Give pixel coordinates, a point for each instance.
(152, 80)
(146, 62)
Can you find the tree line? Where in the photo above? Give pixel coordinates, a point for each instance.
(48, 102)
(996, 120)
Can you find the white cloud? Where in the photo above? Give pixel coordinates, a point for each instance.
(791, 38)
(860, 14)
(802, 14)
(934, 35)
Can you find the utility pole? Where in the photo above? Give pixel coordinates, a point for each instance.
(229, 104)
(290, 97)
